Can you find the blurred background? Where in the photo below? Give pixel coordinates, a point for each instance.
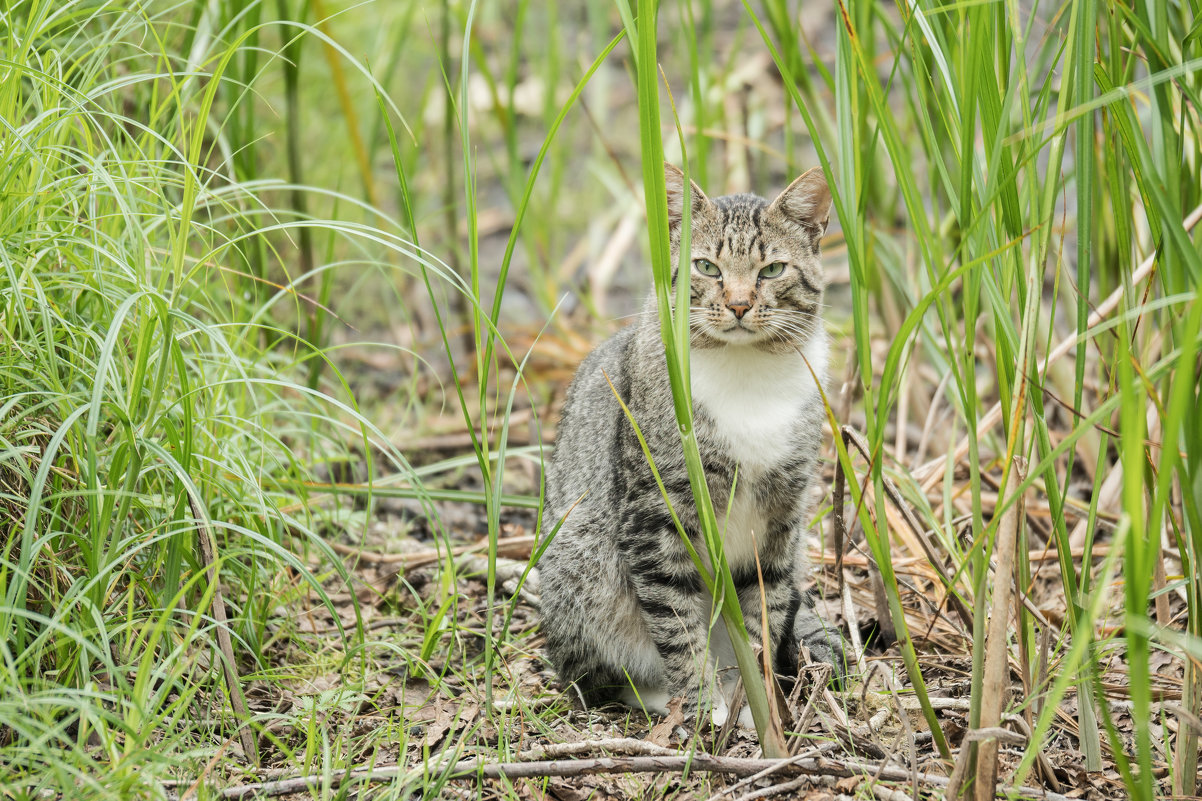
(577, 265)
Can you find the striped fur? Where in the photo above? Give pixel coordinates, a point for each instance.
(625, 612)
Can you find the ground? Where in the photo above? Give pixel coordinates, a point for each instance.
(434, 709)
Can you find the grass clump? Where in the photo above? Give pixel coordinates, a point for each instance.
(146, 403)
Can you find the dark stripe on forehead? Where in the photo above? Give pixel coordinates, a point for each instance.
(739, 233)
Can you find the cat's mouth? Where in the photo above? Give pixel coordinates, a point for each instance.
(730, 331)
(737, 331)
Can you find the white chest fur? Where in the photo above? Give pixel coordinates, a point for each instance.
(754, 400)
(754, 397)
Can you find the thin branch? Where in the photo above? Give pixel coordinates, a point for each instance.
(676, 763)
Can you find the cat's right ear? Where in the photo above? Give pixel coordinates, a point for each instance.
(675, 181)
(807, 201)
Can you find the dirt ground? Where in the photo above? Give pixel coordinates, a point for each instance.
(867, 738)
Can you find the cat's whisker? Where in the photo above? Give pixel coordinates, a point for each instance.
(790, 319)
(795, 313)
(643, 313)
(790, 332)
(793, 321)
(801, 335)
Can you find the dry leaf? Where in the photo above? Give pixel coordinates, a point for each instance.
(661, 733)
(848, 784)
(444, 714)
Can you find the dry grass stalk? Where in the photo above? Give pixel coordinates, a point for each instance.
(997, 667)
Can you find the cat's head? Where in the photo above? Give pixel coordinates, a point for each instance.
(753, 265)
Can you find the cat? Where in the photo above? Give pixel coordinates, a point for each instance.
(624, 610)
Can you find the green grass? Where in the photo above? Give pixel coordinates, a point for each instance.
(210, 213)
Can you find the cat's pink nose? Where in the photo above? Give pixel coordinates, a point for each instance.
(739, 308)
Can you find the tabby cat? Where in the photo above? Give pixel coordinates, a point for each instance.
(624, 610)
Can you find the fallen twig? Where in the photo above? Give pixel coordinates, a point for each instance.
(620, 745)
(778, 789)
(518, 547)
(809, 753)
(675, 763)
(737, 766)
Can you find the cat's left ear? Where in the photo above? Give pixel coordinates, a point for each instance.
(675, 182)
(806, 202)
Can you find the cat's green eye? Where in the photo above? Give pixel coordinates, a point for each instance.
(773, 270)
(707, 267)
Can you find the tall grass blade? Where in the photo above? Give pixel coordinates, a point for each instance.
(672, 322)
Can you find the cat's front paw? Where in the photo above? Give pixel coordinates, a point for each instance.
(720, 712)
(698, 704)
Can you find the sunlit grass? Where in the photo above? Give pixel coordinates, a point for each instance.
(150, 398)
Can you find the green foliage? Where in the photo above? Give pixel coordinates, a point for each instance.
(142, 367)
(968, 100)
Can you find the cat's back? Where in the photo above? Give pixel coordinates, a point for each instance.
(585, 440)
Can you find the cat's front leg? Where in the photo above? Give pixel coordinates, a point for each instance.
(767, 589)
(776, 596)
(792, 622)
(673, 602)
